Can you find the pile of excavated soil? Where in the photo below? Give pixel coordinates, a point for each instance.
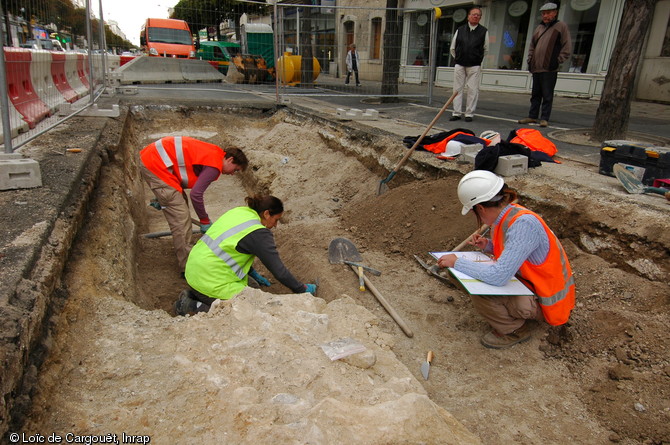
(253, 370)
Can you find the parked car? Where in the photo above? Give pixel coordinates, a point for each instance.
(51, 45)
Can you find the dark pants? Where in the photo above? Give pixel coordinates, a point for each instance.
(349, 75)
(542, 95)
(207, 301)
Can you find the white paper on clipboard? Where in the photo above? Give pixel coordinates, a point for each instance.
(476, 287)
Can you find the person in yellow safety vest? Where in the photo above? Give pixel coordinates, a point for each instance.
(522, 245)
(221, 262)
(172, 164)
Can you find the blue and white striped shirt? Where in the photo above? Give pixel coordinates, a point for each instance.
(526, 240)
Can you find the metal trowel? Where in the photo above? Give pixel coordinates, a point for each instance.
(633, 185)
(425, 367)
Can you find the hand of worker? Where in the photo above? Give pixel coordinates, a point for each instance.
(260, 279)
(447, 260)
(479, 241)
(311, 288)
(204, 227)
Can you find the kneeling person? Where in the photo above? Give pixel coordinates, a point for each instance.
(220, 263)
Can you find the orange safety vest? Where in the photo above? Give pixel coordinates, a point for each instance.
(552, 281)
(172, 159)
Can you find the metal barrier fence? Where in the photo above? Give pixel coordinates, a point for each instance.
(48, 71)
(47, 85)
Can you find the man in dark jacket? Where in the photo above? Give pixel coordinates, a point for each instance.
(549, 47)
(470, 43)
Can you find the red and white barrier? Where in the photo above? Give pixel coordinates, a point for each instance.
(20, 86)
(39, 82)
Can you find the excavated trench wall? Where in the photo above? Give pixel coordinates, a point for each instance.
(638, 251)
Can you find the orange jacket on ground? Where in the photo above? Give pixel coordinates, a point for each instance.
(172, 159)
(552, 281)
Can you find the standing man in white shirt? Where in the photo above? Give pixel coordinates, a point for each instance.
(468, 47)
(353, 62)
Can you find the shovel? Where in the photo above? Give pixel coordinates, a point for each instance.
(634, 185)
(343, 251)
(383, 187)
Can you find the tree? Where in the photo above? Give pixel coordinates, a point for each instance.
(611, 121)
(307, 59)
(210, 13)
(391, 63)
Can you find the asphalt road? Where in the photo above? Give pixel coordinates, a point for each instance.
(499, 111)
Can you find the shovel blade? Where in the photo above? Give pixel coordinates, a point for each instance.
(341, 250)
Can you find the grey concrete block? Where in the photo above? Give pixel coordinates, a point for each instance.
(511, 165)
(19, 173)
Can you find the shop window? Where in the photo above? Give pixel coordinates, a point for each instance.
(513, 34)
(419, 38)
(581, 17)
(376, 41)
(447, 25)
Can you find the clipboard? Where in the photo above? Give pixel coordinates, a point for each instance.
(474, 286)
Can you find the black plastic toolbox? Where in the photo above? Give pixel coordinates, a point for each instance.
(654, 159)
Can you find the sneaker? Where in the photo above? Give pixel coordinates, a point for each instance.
(185, 304)
(527, 120)
(455, 118)
(468, 118)
(543, 123)
(358, 84)
(495, 340)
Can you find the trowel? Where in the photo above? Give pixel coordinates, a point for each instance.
(633, 185)
(425, 366)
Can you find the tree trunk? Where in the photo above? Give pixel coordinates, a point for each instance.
(391, 64)
(611, 120)
(307, 60)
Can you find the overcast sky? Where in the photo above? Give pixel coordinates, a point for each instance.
(130, 14)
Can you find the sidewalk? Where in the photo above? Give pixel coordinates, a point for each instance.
(499, 111)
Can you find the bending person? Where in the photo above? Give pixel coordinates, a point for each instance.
(523, 245)
(221, 262)
(172, 164)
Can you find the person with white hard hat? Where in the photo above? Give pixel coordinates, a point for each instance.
(523, 245)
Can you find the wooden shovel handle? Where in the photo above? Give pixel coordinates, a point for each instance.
(408, 332)
(418, 141)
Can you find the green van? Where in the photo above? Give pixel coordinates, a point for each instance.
(219, 54)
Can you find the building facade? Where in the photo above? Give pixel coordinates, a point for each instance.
(428, 26)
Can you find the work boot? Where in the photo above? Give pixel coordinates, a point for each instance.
(495, 340)
(543, 123)
(527, 120)
(185, 304)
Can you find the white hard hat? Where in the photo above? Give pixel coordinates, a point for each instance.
(478, 186)
(453, 148)
(492, 136)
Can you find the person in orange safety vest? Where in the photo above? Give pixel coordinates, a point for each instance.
(175, 163)
(521, 244)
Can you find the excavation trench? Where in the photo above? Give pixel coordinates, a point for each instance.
(253, 370)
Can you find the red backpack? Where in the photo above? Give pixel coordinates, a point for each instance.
(533, 139)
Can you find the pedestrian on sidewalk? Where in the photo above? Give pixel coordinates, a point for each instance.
(550, 46)
(468, 47)
(353, 62)
(522, 245)
(172, 164)
(221, 262)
